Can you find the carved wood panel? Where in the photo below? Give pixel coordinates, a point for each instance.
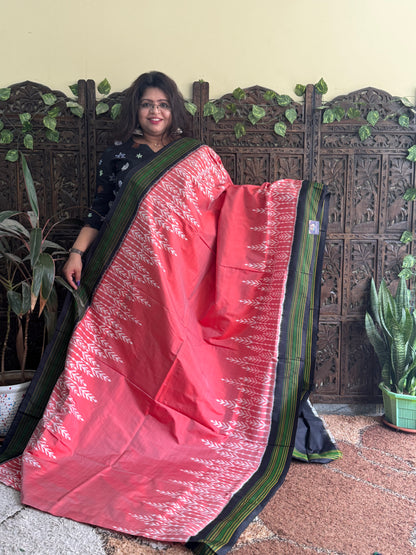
(366, 179)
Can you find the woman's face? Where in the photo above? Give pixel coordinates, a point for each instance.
(155, 115)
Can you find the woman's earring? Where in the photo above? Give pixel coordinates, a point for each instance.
(138, 131)
(178, 131)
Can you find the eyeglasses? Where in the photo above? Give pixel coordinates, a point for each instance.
(162, 107)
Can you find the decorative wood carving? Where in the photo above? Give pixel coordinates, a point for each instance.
(366, 180)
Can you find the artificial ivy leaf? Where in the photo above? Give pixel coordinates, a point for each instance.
(75, 108)
(411, 156)
(372, 117)
(328, 116)
(405, 101)
(404, 120)
(269, 96)
(283, 99)
(28, 141)
(300, 90)
(239, 130)
(49, 99)
(25, 117)
(364, 132)
(5, 93)
(408, 261)
(104, 87)
(6, 137)
(353, 113)
(232, 107)
(339, 113)
(406, 237)
(115, 110)
(321, 86)
(49, 123)
(52, 135)
(280, 128)
(101, 108)
(12, 155)
(257, 112)
(74, 89)
(239, 94)
(218, 114)
(54, 112)
(191, 108)
(291, 115)
(209, 108)
(409, 194)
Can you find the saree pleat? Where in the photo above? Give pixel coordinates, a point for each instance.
(195, 347)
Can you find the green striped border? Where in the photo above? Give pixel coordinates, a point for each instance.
(294, 374)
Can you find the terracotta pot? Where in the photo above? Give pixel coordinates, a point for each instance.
(11, 396)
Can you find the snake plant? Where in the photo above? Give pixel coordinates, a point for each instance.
(390, 324)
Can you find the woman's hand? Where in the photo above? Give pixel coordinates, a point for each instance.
(73, 266)
(72, 269)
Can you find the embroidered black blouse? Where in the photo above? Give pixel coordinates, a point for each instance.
(112, 168)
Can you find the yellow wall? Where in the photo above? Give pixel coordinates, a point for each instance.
(230, 43)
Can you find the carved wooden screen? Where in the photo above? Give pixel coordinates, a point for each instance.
(366, 180)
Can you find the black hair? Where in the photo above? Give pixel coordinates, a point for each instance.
(129, 121)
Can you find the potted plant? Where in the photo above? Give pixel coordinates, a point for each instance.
(391, 328)
(27, 274)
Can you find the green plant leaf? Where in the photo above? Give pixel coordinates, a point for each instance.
(209, 108)
(28, 141)
(406, 273)
(328, 116)
(1, 125)
(291, 115)
(49, 99)
(283, 99)
(25, 117)
(300, 90)
(408, 261)
(35, 245)
(6, 137)
(47, 267)
(52, 135)
(406, 237)
(191, 108)
(219, 114)
(12, 155)
(280, 128)
(101, 108)
(232, 107)
(404, 120)
(354, 113)
(239, 130)
(115, 110)
(239, 94)
(30, 187)
(339, 113)
(75, 108)
(49, 123)
(321, 86)
(269, 96)
(5, 93)
(15, 301)
(104, 87)
(372, 117)
(364, 132)
(409, 194)
(74, 89)
(412, 153)
(54, 112)
(256, 114)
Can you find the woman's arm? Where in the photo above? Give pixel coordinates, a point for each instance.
(73, 267)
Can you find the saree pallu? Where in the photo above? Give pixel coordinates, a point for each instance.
(176, 401)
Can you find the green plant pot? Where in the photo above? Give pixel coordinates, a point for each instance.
(400, 410)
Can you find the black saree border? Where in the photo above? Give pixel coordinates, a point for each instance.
(294, 376)
(101, 253)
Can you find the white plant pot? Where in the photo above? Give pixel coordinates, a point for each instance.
(11, 396)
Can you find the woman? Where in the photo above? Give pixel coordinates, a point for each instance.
(174, 398)
(153, 116)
